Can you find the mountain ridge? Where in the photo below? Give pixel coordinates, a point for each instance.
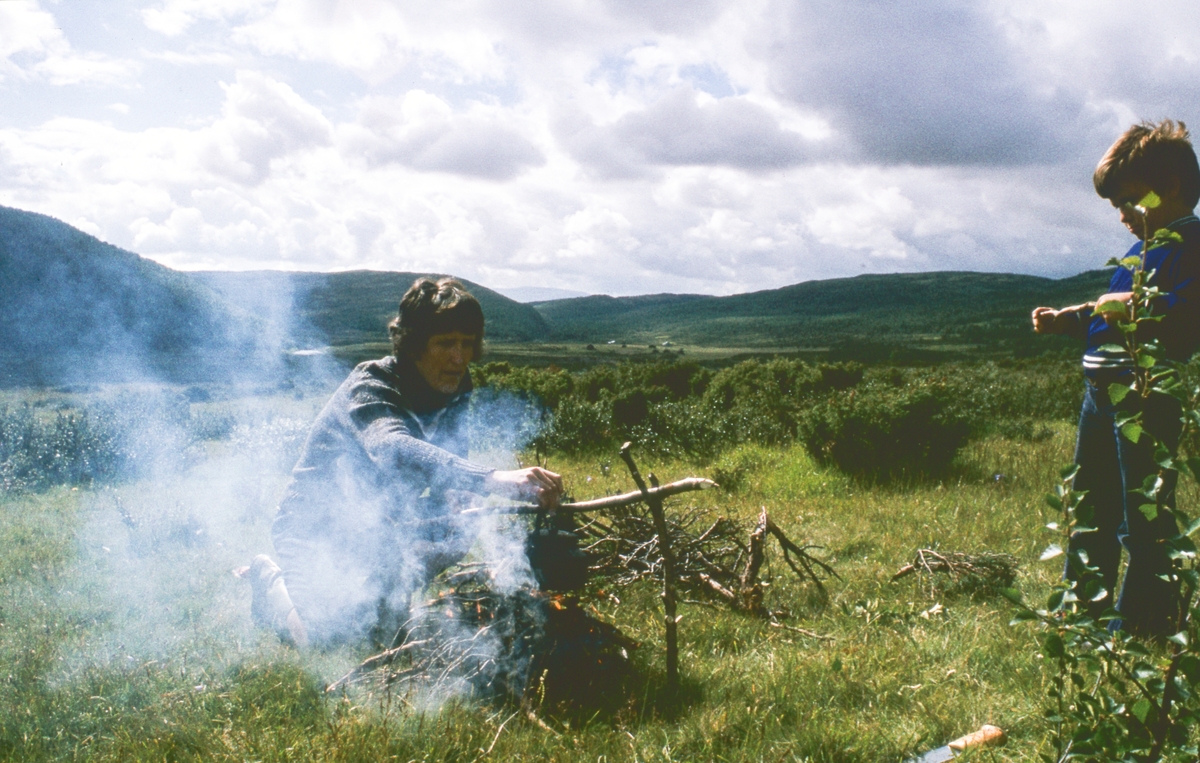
(74, 308)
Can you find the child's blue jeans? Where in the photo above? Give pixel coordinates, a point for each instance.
(1110, 466)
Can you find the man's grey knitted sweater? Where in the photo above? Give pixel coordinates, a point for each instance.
(381, 454)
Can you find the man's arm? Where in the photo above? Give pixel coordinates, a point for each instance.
(387, 440)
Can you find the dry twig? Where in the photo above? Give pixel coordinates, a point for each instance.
(972, 572)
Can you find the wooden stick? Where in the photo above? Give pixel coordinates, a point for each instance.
(383, 658)
(684, 485)
(670, 621)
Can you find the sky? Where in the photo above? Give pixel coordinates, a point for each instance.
(602, 146)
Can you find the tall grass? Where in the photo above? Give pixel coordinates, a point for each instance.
(125, 638)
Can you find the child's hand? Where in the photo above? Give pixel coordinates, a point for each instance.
(1047, 320)
(1114, 306)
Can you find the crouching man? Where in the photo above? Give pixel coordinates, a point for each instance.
(369, 516)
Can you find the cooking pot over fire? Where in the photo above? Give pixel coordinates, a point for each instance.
(557, 561)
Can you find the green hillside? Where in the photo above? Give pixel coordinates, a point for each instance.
(354, 307)
(75, 309)
(913, 310)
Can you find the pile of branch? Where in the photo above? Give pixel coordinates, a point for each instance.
(528, 648)
(711, 564)
(970, 573)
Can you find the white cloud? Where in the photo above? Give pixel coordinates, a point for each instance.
(262, 120)
(421, 131)
(376, 38)
(32, 46)
(175, 17)
(601, 145)
(679, 130)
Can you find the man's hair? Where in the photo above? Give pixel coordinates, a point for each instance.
(1152, 154)
(434, 307)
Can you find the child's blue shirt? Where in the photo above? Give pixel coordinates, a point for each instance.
(1176, 273)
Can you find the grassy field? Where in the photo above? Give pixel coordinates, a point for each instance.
(125, 637)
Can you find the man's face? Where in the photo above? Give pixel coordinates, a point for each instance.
(445, 360)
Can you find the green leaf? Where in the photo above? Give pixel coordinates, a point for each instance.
(1165, 236)
(1068, 472)
(1132, 431)
(1190, 666)
(1150, 201)
(1190, 577)
(1022, 616)
(1111, 306)
(1051, 551)
(1146, 360)
(1117, 392)
(1180, 638)
(1053, 645)
(1055, 601)
(1053, 526)
(1055, 502)
(1011, 594)
(1141, 709)
(1192, 527)
(1144, 672)
(1149, 511)
(1110, 347)
(1130, 263)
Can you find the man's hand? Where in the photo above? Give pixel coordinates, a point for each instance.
(1047, 320)
(534, 483)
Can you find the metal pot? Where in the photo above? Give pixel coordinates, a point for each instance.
(557, 562)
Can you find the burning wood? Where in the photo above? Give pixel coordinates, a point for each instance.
(544, 649)
(531, 648)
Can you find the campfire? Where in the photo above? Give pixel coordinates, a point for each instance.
(532, 648)
(543, 648)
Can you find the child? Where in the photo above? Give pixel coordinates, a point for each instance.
(1158, 158)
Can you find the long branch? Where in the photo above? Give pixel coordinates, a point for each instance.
(600, 504)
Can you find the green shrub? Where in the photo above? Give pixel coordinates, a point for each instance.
(71, 448)
(733, 468)
(879, 431)
(873, 422)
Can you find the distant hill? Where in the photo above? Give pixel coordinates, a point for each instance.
(910, 309)
(539, 293)
(355, 307)
(74, 310)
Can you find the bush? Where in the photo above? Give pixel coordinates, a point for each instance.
(880, 431)
(72, 448)
(872, 422)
